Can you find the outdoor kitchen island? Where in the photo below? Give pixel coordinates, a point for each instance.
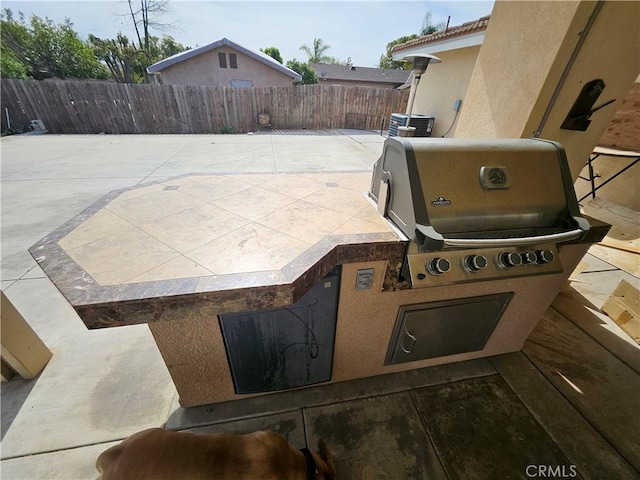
(193, 256)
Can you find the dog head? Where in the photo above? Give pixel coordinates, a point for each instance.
(324, 462)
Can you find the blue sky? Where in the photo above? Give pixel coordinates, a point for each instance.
(357, 29)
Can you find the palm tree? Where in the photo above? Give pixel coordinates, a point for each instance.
(317, 53)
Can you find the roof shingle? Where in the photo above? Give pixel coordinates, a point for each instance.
(452, 32)
(359, 74)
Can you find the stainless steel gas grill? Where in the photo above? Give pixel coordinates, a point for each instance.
(484, 220)
(477, 209)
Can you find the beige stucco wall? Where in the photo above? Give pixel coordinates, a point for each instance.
(527, 46)
(443, 84)
(204, 69)
(194, 351)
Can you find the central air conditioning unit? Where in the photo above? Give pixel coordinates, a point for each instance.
(422, 123)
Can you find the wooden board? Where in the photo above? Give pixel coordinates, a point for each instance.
(22, 349)
(582, 266)
(625, 224)
(593, 456)
(629, 262)
(623, 306)
(601, 387)
(577, 309)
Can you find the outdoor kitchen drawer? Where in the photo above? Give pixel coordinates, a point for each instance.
(438, 329)
(288, 347)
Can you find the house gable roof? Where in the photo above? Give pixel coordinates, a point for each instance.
(445, 40)
(187, 54)
(359, 74)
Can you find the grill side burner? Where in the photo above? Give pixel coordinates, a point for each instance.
(477, 209)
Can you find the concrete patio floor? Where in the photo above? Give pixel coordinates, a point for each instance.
(103, 385)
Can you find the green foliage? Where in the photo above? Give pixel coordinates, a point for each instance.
(45, 49)
(128, 63)
(304, 70)
(10, 66)
(317, 52)
(337, 61)
(225, 131)
(119, 55)
(386, 60)
(169, 46)
(428, 27)
(273, 52)
(13, 35)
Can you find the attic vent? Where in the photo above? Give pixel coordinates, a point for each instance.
(233, 60)
(222, 59)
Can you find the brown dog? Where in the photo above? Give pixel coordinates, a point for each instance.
(163, 454)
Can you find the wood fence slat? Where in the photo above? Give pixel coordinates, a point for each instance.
(94, 107)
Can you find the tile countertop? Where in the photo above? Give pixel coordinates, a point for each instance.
(208, 244)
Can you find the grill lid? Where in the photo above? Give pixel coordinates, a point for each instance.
(477, 192)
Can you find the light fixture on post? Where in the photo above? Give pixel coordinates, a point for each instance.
(420, 63)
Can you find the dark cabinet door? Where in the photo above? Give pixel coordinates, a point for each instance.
(286, 347)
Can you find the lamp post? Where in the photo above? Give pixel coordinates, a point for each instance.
(420, 63)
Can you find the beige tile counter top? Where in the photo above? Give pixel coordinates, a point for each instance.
(213, 243)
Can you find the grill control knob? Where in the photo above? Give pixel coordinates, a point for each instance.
(528, 257)
(510, 259)
(475, 262)
(543, 256)
(438, 266)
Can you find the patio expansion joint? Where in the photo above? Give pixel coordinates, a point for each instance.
(167, 161)
(62, 449)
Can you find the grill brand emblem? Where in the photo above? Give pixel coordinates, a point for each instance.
(440, 202)
(494, 178)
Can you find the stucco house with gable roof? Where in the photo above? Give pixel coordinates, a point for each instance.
(445, 83)
(224, 63)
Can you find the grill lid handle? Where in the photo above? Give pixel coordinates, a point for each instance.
(435, 238)
(507, 242)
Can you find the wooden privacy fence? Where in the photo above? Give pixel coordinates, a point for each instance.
(96, 107)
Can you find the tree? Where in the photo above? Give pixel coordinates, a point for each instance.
(337, 61)
(387, 61)
(169, 46)
(10, 66)
(45, 49)
(273, 52)
(304, 70)
(126, 62)
(317, 52)
(146, 15)
(118, 55)
(428, 27)
(13, 37)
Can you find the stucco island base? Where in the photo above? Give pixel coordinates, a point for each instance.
(195, 355)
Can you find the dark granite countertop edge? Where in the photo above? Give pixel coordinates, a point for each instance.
(125, 304)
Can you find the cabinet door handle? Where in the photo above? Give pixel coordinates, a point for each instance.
(412, 342)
